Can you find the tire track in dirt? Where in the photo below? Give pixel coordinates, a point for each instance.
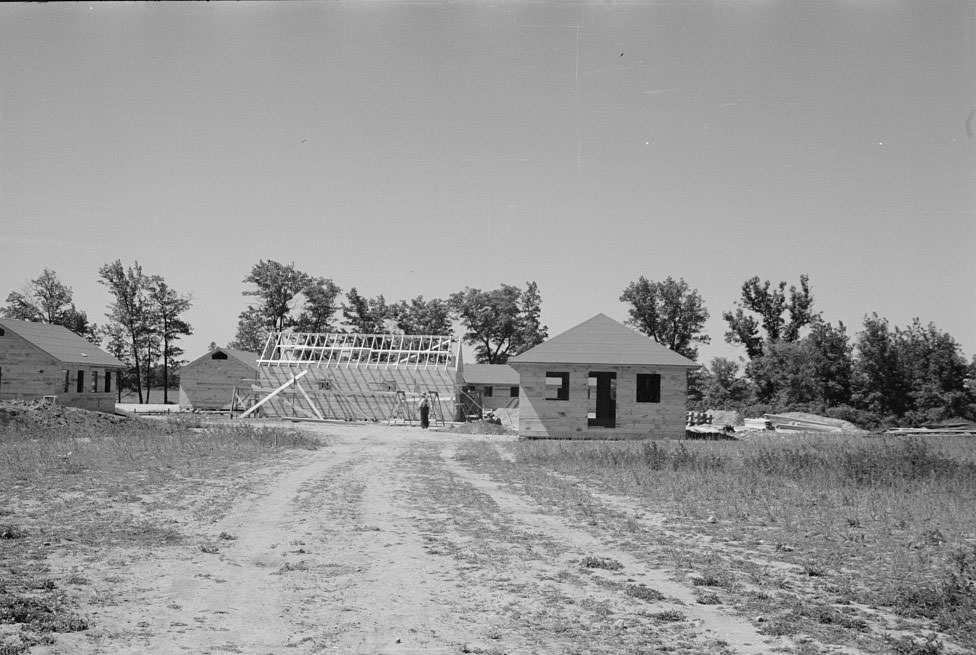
(230, 600)
(736, 632)
(380, 591)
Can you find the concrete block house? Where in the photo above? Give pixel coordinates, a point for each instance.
(39, 361)
(602, 380)
(493, 386)
(209, 381)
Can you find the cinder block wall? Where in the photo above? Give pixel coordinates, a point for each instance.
(542, 418)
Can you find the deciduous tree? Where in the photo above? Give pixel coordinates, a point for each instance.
(419, 316)
(814, 372)
(277, 286)
(46, 299)
(169, 325)
(724, 387)
(365, 315)
(287, 297)
(252, 331)
(130, 313)
(767, 308)
(670, 312)
(500, 323)
(320, 306)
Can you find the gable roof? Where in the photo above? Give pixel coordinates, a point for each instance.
(61, 343)
(602, 340)
(490, 374)
(245, 357)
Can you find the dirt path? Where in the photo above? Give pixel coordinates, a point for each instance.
(386, 542)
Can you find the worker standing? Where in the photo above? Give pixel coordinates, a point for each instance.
(424, 406)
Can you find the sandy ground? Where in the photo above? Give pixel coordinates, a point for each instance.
(385, 541)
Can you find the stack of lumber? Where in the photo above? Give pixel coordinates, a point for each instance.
(802, 422)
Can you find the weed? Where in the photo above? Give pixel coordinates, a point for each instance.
(722, 580)
(607, 563)
(288, 567)
(226, 536)
(210, 549)
(668, 616)
(908, 646)
(813, 570)
(707, 598)
(644, 593)
(8, 531)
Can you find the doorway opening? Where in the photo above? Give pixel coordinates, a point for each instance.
(602, 399)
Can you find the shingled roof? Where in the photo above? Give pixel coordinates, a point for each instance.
(501, 374)
(245, 357)
(602, 340)
(61, 343)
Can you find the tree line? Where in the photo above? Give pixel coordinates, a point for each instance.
(793, 359)
(796, 361)
(498, 323)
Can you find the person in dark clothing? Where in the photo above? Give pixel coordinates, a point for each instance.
(424, 411)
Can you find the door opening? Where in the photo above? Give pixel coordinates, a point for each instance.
(602, 403)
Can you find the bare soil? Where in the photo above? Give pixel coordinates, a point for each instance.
(388, 540)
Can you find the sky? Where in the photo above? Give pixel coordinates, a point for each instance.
(418, 148)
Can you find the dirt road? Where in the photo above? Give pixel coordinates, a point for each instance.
(386, 541)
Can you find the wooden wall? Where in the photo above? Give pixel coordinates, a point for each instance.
(567, 419)
(356, 392)
(28, 373)
(209, 383)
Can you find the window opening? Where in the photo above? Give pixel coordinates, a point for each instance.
(80, 386)
(557, 386)
(648, 388)
(108, 381)
(94, 384)
(488, 391)
(513, 392)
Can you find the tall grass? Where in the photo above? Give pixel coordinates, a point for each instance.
(28, 451)
(900, 513)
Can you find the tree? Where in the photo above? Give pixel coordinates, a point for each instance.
(168, 307)
(770, 304)
(670, 312)
(130, 312)
(365, 315)
(420, 316)
(878, 383)
(288, 298)
(277, 286)
(500, 323)
(531, 331)
(252, 331)
(913, 375)
(724, 388)
(320, 306)
(48, 300)
(814, 372)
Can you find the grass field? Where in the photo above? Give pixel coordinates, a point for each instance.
(876, 522)
(831, 541)
(88, 485)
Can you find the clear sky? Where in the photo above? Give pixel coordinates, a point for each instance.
(410, 148)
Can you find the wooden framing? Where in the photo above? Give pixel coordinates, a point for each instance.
(355, 377)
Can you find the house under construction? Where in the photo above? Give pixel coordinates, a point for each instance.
(356, 377)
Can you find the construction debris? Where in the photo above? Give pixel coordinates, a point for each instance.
(947, 427)
(792, 422)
